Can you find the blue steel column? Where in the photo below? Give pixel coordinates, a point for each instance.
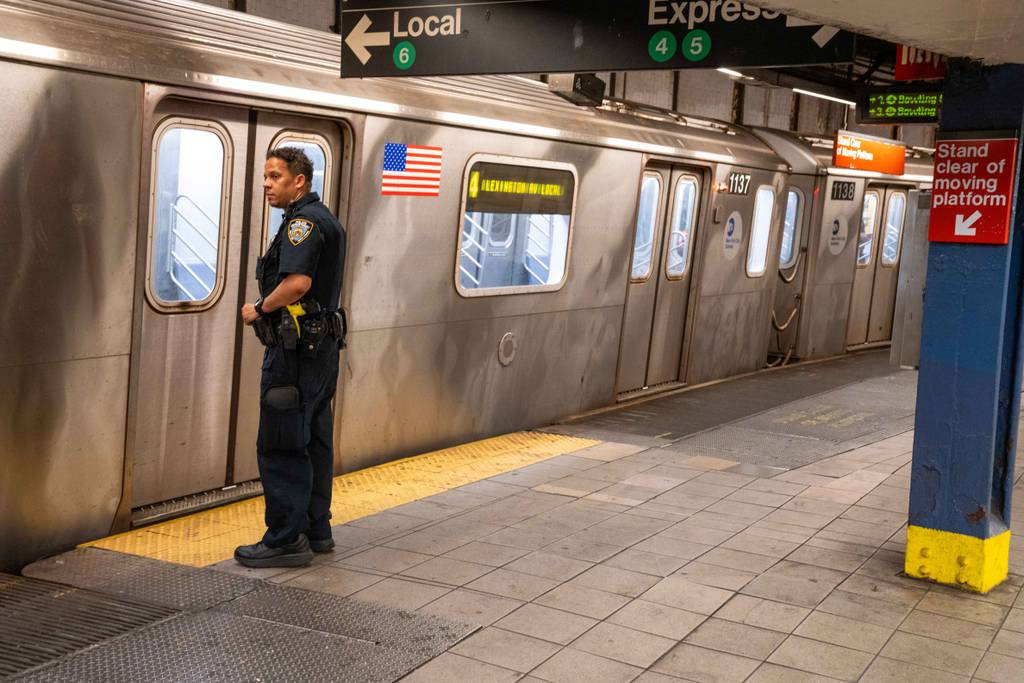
(969, 387)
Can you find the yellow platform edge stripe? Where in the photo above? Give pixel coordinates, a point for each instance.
(210, 536)
(959, 560)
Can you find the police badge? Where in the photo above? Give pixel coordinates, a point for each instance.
(298, 230)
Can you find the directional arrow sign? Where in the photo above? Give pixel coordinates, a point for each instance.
(416, 38)
(972, 191)
(963, 225)
(359, 39)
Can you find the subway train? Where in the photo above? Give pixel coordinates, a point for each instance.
(518, 260)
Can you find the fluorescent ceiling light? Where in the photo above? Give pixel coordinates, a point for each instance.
(18, 48)
(730, 72)
(824, 97)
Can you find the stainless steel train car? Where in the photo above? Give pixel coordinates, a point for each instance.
(840, 254)
(564, 258)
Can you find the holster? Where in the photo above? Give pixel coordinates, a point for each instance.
(338, 323)
(265, 331)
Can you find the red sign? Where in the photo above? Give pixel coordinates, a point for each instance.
(972, 191)
(913, 64)
(865, 153)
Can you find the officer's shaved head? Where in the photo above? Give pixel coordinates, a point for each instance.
(296, 160)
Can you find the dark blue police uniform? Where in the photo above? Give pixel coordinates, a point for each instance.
(295, 443)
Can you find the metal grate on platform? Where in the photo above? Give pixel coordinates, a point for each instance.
(213, 646)
(420, 633)
(41, 621)
(140, 578)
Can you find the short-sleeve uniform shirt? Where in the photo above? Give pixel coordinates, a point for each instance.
(309, 242)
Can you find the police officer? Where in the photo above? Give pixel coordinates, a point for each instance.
(303, 266)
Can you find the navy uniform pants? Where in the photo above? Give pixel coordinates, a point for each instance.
(295, 446)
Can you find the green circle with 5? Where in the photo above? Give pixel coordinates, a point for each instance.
(662, 46)
(696, 45)
(404, 55)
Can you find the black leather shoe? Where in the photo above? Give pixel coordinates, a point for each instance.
(321, 545)
(260, 555)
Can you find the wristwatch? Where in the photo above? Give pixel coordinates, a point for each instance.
(259, 307)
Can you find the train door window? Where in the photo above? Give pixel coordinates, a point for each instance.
(646, 218)
(894, 214)
(867, 230)
(516, 226)
(684, 215)
(318, 151)
(760, 231)
(791, 229)
(188, 202)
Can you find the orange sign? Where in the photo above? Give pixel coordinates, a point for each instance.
(866, 153)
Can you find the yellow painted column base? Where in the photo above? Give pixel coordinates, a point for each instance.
(959, 560)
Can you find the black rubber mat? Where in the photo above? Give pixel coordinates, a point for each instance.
(214, 646)
(41, 621)
(755, 446)
(142, 579)
(679, 415)
(422, 634)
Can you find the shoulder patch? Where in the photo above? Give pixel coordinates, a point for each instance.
(299, 229)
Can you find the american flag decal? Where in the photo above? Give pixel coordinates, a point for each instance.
(411, 170)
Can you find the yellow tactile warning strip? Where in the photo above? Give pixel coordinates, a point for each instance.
(211, 536)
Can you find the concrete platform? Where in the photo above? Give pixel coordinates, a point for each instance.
(766, 546)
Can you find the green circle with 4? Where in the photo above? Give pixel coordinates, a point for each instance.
(696, 45)
(404, 55)
(662, 46)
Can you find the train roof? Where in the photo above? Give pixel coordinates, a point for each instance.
(185, 43)
(812, 155)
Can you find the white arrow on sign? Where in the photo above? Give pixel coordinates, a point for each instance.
(358, 39)
(821, 36)
(963, 227)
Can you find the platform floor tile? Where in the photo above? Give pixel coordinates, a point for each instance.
(208, 537)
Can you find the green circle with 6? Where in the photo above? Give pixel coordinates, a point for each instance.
(662, 46)
(696, 45)
(404, 55)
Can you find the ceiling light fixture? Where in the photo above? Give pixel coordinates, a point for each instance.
(810, 93)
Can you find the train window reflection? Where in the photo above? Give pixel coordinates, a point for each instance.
(684, 215)
(867, 230)
(760, 231)
(791, 230)
(647, 215)
(315, 148)
(894, 215)
(188, 198)
(515, 228)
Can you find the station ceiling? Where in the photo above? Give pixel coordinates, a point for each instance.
(988, 30)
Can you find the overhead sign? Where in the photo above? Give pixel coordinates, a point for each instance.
(913, 64)
(899, 105)
(866, 153)
(415, 38)
(972, 191)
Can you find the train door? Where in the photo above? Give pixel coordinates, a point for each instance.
(322, 142)
(792, 269)
(654, 324)
(873, 299)
(194, 405)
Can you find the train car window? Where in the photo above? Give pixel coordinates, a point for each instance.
(791, 229)
(189, 199)
(867, 230)
(760, 231)
(516, 226)
(684, 215)
(318, 151)
(894, 214)
(646, 218)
